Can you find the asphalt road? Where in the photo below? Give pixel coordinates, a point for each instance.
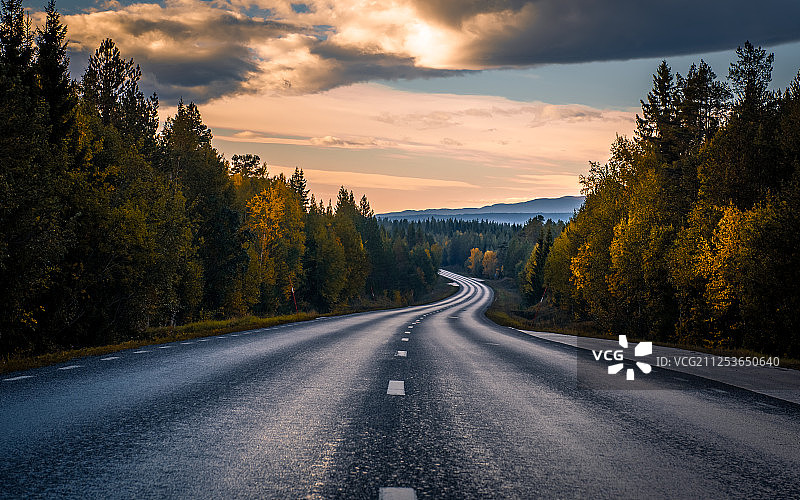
(332, 409)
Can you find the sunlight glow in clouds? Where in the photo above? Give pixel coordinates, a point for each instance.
(290, 81)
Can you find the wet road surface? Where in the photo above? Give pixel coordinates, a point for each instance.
(430, 401)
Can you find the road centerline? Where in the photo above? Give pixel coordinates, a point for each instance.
(393, 493)
(396, 388)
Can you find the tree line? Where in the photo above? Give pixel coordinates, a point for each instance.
(689, 233)
(490, 249)
(110, 225)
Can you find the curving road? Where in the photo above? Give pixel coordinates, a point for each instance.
(431, 401)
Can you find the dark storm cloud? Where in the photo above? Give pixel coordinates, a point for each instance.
(353, 65)
(198, 57)
(201, 50)
(566, 31)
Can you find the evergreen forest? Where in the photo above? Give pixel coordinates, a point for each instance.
(111, 224)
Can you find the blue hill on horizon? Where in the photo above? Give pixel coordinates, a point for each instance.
(513, 213)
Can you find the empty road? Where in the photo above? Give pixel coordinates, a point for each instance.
(431, 401)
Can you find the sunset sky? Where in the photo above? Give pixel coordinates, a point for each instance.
(425, 103)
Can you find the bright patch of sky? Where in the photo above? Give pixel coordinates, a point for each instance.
(612, 84)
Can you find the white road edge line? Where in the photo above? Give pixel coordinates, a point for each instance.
(397, 494)
(396, 388)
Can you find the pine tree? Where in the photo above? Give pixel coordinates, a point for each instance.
(364, 208)
(16, 44)
(750, 76)
(658, 125)
(52, 65)
(111, 84)
(189, 159)
(298, 184)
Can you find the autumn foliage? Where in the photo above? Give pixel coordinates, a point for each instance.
(690, 232)
(109, 226)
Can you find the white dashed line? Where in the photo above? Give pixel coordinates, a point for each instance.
(187, 343)
(70, 367)
(396, 388)
(204, 340)
(21, 377)
(110, 358)
(165, 347)
(397, 494)
(234, 335)
(404, 339)
(406, 332)
(402, 354)
(410, 326)
(140, 352)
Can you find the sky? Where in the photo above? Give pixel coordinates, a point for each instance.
(425, 103)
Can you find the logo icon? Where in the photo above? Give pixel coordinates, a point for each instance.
(641, 349)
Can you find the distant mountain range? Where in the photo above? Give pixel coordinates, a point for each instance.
(514, 213)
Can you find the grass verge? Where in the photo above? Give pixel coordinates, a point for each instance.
(163, 335)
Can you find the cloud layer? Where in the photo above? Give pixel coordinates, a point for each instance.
(201, 50)
(477, 147)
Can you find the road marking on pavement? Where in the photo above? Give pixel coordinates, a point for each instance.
(410, 326)
(110, 358)
(140, 352)
(718, 390)
(402, 354)
(204, 340)
(396, 388)
(404, 339)
(165, 347)
(70, 367)
(187, 343)
(21, 377)
(234, 335)
(406, 332)
(397, 494)
(492, 343)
